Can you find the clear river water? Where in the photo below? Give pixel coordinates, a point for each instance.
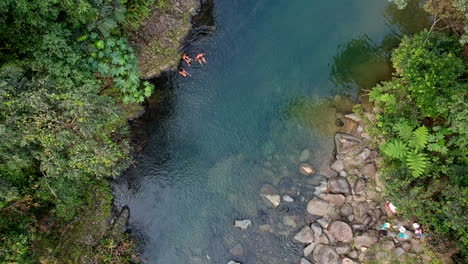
(277, 74)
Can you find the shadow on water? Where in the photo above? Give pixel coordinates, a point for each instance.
(361, 63)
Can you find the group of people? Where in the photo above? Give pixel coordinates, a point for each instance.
(200, 58)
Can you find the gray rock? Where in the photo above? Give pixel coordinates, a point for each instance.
(288, 199)
(320, 207)
(359, 186)
(406, 246)
(366, 240)
(233, 262)
(328, 255)
(309, 249)
(337, 166)
(305, 235)
(369, 170)
(339, 185)
(344, 143)
(398, 252)
(306, 169)
(341, 231)
(348, 261)
(357, 160)
(342, 248)
(323, 239)
(343, 174)
(317, 229)
(323, 222)
(336, 199)
(315, 254)
(388, 245)
(353, 254)
(242, 224)
(304, 261)
(353, 117)
(346, 210)
(305, 155)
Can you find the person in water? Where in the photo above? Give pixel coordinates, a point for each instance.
(186, 58)
(184, 72)
(200, 58)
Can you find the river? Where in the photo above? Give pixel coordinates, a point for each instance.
(278, 73)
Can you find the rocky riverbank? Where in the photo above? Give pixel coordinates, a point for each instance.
(158, 40)
(344, 219)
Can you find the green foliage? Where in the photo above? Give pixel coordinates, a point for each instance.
(424, 127)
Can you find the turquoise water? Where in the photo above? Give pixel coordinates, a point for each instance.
(269, 91)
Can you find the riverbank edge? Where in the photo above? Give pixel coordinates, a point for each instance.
(99, 232)
(351, 209)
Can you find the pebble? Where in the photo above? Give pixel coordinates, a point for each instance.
(288, 199)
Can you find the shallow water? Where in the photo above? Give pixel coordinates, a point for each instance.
(211, 141)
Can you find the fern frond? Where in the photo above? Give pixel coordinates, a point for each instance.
(417, 162)
(404, 130)
(420, 138)
(394, 148)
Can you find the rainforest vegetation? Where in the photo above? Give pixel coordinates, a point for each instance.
(421, 125)
(68, 83)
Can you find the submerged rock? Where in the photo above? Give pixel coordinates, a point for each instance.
(306, 169)
(270, 196)
(305, 155)
(274, 199)
(288, 199)
(242, 224)
(233, 262)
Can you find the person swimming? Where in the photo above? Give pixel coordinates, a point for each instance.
(183, 72)
(200, 58)
(186, 58)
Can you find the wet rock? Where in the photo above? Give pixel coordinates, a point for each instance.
(233, 262)
(274, 199)
(309, 249)
(348, 126)
(348, 261)
(341, 231)
(328, 255)
(398, 252)
(269, 195)
(286, 186)
(304, 261)
(388, 245)
(305, 155)
(305, 235)
(237, 251)
(242, 224)
(346, 210)
(336, 199)
(337, 166)
(317, 229)
(288, 199)
(339, 185)
(366, 240)
(369, 170)
(289, 220)
(323, 223)
(353, 117)
(342, 248)
(306, 169)
(359, 186)
(320, 207)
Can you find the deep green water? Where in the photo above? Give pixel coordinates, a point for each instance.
(211, 141)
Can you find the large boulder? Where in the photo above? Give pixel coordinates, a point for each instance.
(321, 208)
(336, 199)
(305, 235)
(339, 185)
(366, 240)
(341, 231)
